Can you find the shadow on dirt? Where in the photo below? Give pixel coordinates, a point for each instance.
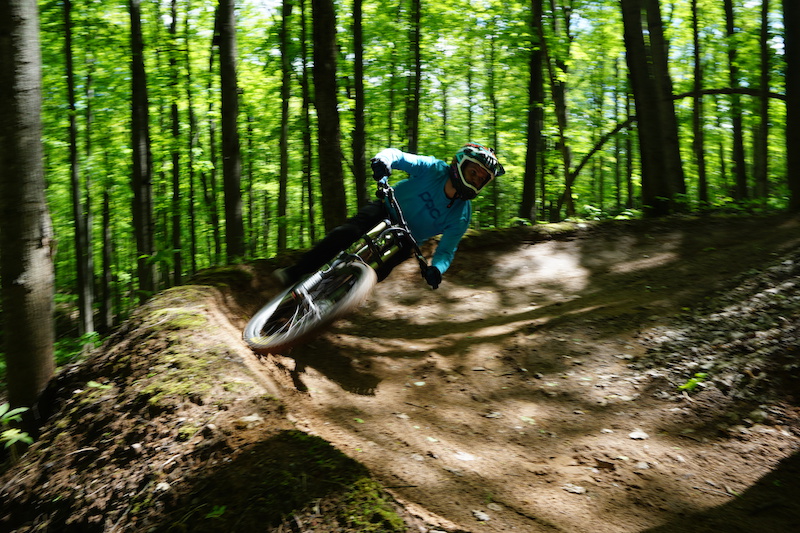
(333, 364)
(510, 391)
(263, 485)
(624, 284)
(771, 504)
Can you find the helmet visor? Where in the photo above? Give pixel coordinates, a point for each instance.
(473, 181)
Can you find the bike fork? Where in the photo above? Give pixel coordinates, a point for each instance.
(301, 292)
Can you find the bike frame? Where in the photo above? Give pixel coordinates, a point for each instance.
(386, 238)
(336, 288)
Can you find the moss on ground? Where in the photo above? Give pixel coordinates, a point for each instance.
(365, 508)
(234, 478)
(289, 478)
(180, 374)
(177, 318)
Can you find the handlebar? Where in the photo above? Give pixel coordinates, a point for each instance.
(387, 191)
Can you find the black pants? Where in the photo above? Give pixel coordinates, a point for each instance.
(342, 237)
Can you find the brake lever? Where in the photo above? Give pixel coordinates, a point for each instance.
(383, 186)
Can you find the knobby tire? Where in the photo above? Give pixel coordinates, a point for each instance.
(302, 310)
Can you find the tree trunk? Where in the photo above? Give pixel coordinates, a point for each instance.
(415, 78)
(722, 157)
(791, 23)
(495, 206)
(629, 199)
(394, 78)
(192, 142)
(557, 65)
(177, 212)
(334, 203)
(209, 184)
(470, 99)
(87, 182)
(142, 179)
(760, 139)
(617, 140)
(26, 233)
(231, 152)
(739, 169)
(698, 143)
(161, 182)
(85, 281)
(662, 173)
(527, 208)
(359, 128)
(598, 174)
(283, 142)
(670, 141)
(253, 236)
(106, 314)
(307, 142)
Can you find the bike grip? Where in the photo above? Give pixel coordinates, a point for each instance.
(380, 168)
(433, 277)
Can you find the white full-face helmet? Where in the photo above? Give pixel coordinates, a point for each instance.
(481, 156)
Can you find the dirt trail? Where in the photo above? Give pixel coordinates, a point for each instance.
(506, 400)
(536, 391)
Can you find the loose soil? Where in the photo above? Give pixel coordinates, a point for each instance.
(546, 386)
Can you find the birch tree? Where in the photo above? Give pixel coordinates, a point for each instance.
(26, 234)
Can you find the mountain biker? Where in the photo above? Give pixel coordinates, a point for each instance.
(435, 200)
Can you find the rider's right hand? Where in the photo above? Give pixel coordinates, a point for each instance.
(433, 277)
(380, 168)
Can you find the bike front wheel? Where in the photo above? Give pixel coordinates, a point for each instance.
(303, 309)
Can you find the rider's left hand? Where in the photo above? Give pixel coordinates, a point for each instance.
(380, 168)
(433, 277)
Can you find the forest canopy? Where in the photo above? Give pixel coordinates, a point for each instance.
(546, 83)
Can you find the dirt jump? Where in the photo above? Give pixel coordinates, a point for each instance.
(624, 376)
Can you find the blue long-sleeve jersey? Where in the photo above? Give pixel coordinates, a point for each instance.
(425, 206)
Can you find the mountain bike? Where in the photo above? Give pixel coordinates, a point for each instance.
(334, 290)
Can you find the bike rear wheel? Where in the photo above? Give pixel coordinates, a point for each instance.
(302, 310)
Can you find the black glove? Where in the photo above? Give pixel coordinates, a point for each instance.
(380, 168)
(433, 277)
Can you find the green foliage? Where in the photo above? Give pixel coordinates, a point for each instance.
(216, 512)
(475, 64)
(365, 508)
(96, 385)
(517, 221)
(628, 214)
(11, 435)
(693, 382)
(68, 348)
(8, 415)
